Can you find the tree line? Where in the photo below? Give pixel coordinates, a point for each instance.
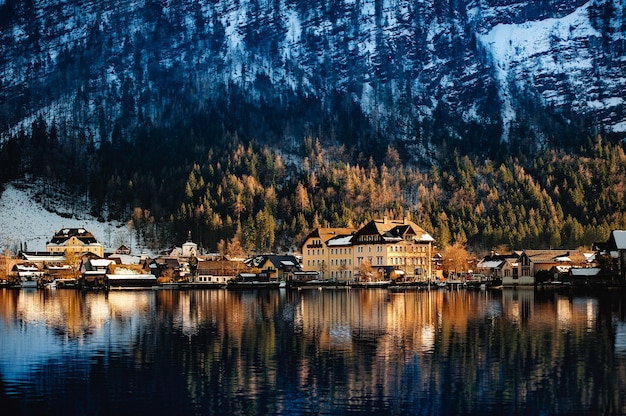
(243, 196)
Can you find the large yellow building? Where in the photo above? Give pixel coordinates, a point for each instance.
(381, 249)
(316, 252)
(74, 240)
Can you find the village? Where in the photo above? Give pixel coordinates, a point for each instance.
(384, 253)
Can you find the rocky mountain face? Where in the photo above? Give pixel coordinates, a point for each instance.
(478, 74)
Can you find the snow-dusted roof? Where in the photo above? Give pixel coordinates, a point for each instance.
(126, 258)
(63, 267)
(426, 238)
(26, 268)
(43, 257)
(101, 262)
(620, 239)
(95, 272)
(490, 264)
(585, 271)
(590, 257)
(131, 276)
(340, 241)
(562, 259)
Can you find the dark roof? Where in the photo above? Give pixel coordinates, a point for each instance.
(617, 240)
(496, 257)
(221, 267)
(65, 234)
(326, 234)
(392, 230)
(276, 260)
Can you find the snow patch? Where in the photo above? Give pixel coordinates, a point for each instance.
(514, 46)
(619, 127)
(27, 223)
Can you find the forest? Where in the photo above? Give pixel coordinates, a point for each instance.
(237, 194)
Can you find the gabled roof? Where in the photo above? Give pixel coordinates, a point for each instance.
(556, 256)
(81, 234)
(395, 230)
(617, 240)
(490, 264)
(221, 267)
(325, 234)
(496, 261)
(276, 260)
(100, 262)
(42, 257)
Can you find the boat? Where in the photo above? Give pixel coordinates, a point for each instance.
(68, 283)
(399, 286)
(130, 281)
(252, 281)
(313, 284)
(377, 284)
(29, 282)
(28, 276)
(237, 285)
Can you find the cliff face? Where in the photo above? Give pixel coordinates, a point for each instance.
(479, 72)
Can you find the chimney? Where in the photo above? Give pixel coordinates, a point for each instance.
(384, 219)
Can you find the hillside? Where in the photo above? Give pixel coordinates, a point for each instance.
(490, 122)
(27, 225)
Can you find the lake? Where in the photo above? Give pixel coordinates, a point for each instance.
(358, 351)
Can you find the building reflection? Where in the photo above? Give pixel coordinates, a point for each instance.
(353, 344)
(330, 320)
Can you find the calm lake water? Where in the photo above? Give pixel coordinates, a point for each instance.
(311, 352)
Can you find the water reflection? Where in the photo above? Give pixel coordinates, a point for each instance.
(312, 351)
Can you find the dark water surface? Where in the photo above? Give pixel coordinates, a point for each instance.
(311, 352)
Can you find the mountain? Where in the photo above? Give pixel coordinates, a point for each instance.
(479, 75)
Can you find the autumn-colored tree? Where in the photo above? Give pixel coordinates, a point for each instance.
(234, 246)
(221, 248)
(365, 270)
(72, 260)
(455, 259)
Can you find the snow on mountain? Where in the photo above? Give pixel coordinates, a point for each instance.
(526, 53)
(419, 71)
(25, 224)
